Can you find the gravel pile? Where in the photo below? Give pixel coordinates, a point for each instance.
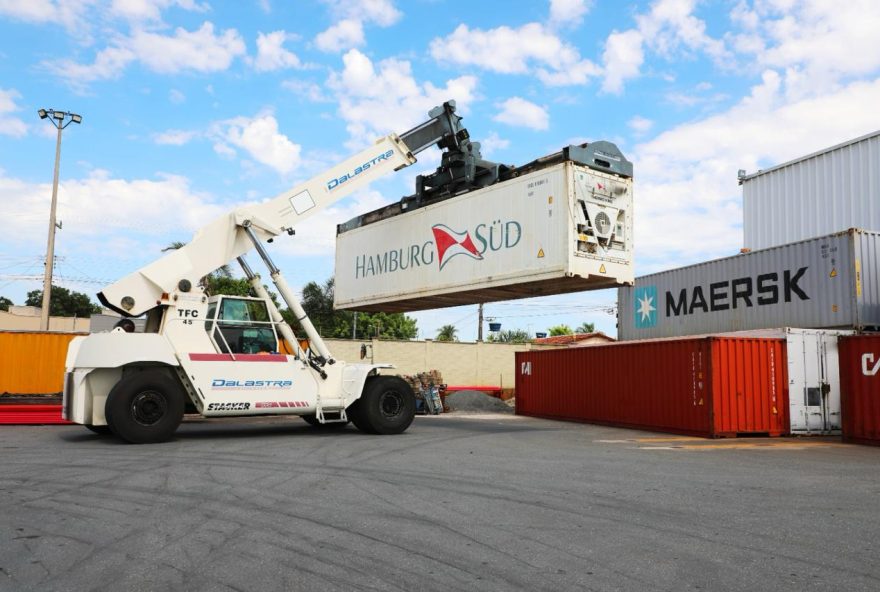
(476, 402)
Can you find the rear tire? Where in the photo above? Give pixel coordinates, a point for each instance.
(387, 406)
(145, 407)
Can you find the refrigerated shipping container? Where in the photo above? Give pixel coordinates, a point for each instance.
(831, 282)
(559, 229)
(710, 387)
(860, 388)
(824, 192)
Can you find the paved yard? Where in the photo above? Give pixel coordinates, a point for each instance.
(480, 502)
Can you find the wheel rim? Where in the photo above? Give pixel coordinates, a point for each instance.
(391, 404)
(148, 407)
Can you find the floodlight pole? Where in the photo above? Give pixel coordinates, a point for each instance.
(58, 120)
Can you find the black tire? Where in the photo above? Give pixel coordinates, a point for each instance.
(387, 406)
(312, 420)
(100, 430)
(145, 407)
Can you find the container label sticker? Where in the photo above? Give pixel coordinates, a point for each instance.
(646, 307)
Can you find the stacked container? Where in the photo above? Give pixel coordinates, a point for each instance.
(860, 388)
(711, 386)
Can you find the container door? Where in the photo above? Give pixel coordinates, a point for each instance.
(830, 382)
(814, 384)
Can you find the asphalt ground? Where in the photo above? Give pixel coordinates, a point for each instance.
(459, 502)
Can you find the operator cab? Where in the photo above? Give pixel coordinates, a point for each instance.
(241, 325)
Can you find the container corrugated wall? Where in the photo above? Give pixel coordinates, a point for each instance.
(860, 388)
(32, 363)
(706, 387)
(823, 283)
(826, 192)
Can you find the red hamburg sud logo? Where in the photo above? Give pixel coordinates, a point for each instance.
(450, 243)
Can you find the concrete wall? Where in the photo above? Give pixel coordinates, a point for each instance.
(485, 364)
(15, 322)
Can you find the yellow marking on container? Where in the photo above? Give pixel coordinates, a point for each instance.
(540, 253)
(602, 268)
(833, 308)
(833, 272)
(550, 199)
(859, 278)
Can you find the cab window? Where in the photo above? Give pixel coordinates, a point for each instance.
(245, 327)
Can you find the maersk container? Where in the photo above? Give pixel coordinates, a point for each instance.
(559, 229)
(860, 388)
(711, 386)
(831, 282)
(824, 192)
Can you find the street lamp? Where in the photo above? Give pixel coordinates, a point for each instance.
(60, 119)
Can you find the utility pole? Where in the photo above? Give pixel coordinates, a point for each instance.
(60, 119)
(354, 326)
(480, 325)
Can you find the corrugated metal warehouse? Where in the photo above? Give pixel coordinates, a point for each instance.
(818, 194)
(827, 282)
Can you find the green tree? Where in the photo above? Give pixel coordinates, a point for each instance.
(5, 303)
(219, 281)
(317, 300)
(586, 328)
(512, 336)
(560, 330)
(447, 333)
(64, 303)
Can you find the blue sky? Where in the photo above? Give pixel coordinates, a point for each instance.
(192, 107)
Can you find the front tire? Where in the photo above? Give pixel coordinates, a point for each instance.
(387, 406)
(145, 407)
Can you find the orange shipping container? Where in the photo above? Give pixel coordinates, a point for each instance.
(32, 362)
(710, 387)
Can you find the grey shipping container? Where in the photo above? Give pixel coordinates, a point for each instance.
(830, 282)
(815, 195)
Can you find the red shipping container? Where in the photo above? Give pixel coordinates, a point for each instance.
(710, 386)
(860, 388)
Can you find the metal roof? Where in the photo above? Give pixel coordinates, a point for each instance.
(809, 156)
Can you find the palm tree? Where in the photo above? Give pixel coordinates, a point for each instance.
(586, 328)
(560, 330)
(222, 271)
(447, 333)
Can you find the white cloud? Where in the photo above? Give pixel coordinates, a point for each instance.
(569, 12)
(669, 29)
(174, 137)
(640, 124)
(519, 112)
(151, 10)
(271, 54)
(690, 205)
(816, 42)
(9, 125)
(307, 89)
(200, 51)
(176, 97)
(529, 48)
(492, 143)
(348, 32)
(345, 34)
(260, 138)
(71, 14)
(375, 100)
(99, 208)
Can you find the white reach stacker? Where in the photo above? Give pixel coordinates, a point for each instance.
(234, 356)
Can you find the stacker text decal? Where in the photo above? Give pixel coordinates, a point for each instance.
(337, 181)
(495, 236)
